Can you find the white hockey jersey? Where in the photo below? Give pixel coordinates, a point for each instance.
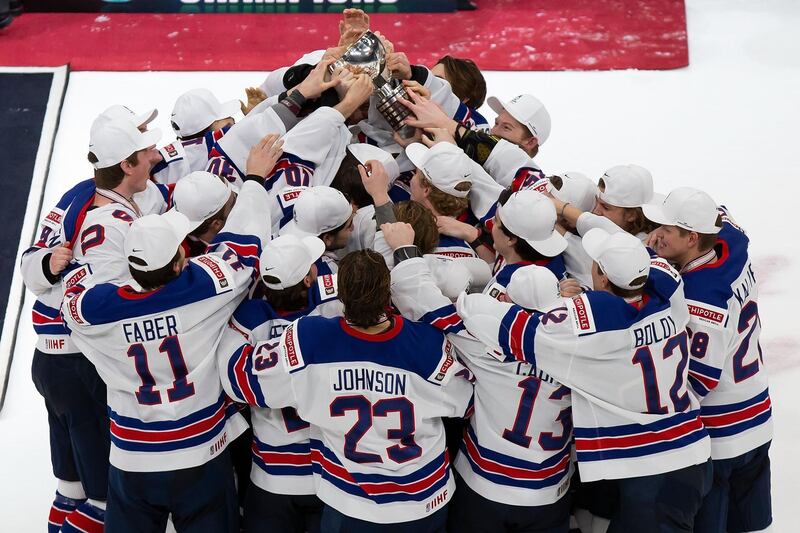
(57, 228)
(726, 368)
(281, 448)
(496, 288)
(156, 350)
(516, 450)
(98, 246)
(626, 366)
(375, 404)
(180, 158)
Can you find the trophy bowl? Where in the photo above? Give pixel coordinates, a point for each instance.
(368, 55)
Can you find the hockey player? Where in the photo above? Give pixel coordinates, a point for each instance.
(74, 395)
(622, 191)
(623, 351)
(281, 497)
(205, 197)
(152, 342)
(442, 183)
(322, 212)
(514, 466)
(576, 189)
(374, 387)
(467, 83)
(524, 234)
(313, 149)
(726, 368)
(507, 151)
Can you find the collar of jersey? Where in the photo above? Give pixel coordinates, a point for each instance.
(380, 337)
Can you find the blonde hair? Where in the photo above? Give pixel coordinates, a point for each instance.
(444, 203)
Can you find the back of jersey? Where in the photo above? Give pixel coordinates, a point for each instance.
(156, 353)
(375, 403)
(627, 368)
(727, 368)
(516, 450)
(156, 349)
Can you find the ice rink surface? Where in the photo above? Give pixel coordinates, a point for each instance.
(728, 124)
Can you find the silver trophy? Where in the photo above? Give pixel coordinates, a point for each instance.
(367, 55)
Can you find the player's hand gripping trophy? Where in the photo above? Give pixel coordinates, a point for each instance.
(368, 55)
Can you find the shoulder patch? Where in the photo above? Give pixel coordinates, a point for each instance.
(54, 218)
(218, 270)
(328, 288)
(661, 264)
(446, 362)
(72, 302)
(76, 276)
(171, 151)
(496, 291)
(289, 196)
(580, 312)
(706, 314)
(292, 356)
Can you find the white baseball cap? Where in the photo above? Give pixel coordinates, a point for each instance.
(114, 140)
(317, 210)
(528, 111)
(197, 109)
(288, 259)
(576, 189)
(445, 165)
(687, 208)
(154, 240)
(627, 186)
(200, 195)
(121, 112)
(530, 215)
(364, 152)
(534, 287)
(621, 256)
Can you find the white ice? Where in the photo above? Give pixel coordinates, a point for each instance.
(728, 124)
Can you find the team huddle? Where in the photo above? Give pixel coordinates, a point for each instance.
(303, 321)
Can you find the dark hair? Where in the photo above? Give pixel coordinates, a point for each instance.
(465, 79)
(337, 229)
(705, 241)
(193, 136)
(292, 299)
(157, 278)
(348, 180)
(363, 282)
(426, 233)
(557, 181)
(110, 177)
(522, 248)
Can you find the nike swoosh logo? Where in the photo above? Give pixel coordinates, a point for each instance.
(134, 250)
(642, 270)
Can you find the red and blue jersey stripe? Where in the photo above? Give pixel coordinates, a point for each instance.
(380, 488)
(445, 319)
(703, 378)
(637, 440)
(731, 419)
(287, 460)
(47, 320)
(198, 428)
(244, 384)
(511, 471)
